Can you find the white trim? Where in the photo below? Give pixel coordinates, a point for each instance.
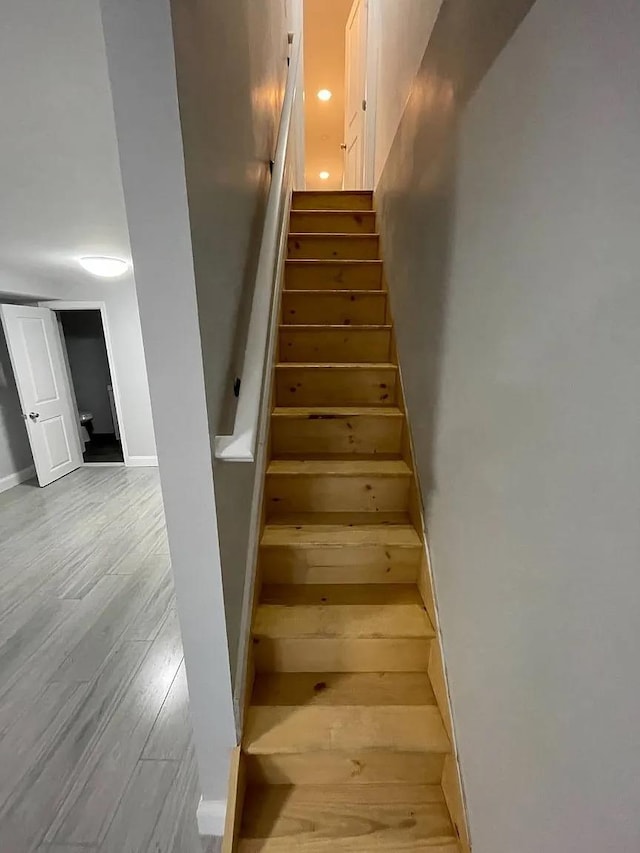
(241, 682)
(434, 590)
(103, 465)
(374, 21)
(67, 367)
(210, 816)
(101, 306)
(140, 462)
(16, 478)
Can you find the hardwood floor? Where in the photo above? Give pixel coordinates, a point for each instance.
(95, 740)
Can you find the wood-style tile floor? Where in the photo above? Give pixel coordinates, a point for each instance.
(95, 740)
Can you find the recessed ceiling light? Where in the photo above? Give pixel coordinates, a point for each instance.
(324, 176)
(324, 95)
(104, 267)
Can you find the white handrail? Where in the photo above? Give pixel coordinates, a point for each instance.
(241, 445)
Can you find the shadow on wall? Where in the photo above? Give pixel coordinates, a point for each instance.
(15, 453)
(231, 67)
(415, 199)
(231, 70)
(418, 258)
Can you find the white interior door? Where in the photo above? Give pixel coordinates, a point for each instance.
(43, 387)
(356, 91)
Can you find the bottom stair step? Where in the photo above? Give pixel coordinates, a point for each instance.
(353, 818)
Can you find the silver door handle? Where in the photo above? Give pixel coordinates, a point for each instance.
(34, 415)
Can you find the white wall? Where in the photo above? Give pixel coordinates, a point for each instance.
(130, 369)
(403, 30)
(141, 66)
(534, 472)
(231, 70)
(61, 188)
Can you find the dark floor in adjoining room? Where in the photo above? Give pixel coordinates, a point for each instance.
(103, 447)
(95, 739)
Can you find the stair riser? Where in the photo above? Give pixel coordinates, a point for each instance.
(327, 200)
(317, 493)
(341, 655)
(348, 818)
(308, 386)
(304, 276)
(336, 434)
(343, 768)
(381, 843)
(331, 247)
(367, 564)
(335, 309)
(324, 346)
(332, 223)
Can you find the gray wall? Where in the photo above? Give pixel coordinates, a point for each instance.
(231, 70)
(15, 454)
(61, 188)
(185, 316)
(84, 339)
(517, 317)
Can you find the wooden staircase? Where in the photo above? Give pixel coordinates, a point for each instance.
(346, 743)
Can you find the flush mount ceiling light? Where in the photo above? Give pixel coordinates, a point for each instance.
(104, 267)
(324, 176)
(324, 95)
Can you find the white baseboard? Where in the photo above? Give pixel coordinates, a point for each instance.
(15, 479)
(103, 464)
(141, 461)
(211, 815)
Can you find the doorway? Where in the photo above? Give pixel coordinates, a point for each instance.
(340, 84)
(87, 361)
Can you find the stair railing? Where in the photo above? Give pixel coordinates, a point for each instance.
(241, 445)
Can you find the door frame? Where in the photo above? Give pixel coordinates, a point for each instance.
(98, 305)
(374, 22)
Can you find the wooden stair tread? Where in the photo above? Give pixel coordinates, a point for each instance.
(332, 199)
(341, 612)
(383, 520)
(329, 273)
(343, 688)
(346, 293)
(340, 211)
(332, 221)
(314, 245)
(348, 594)
(340, 235)
(337, 327)
(339, 467)
(330, 306)
(275, 729)
(351, 818)
(338, 365)
(335, 262)
(336, 411)
(339, 535)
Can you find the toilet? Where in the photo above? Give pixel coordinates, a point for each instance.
(86, 426)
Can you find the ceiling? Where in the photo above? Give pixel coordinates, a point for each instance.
(324, 64)
(59, 169)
